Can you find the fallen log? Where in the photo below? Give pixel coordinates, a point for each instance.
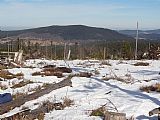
(36, 113)
(20, 101)
(115, 116)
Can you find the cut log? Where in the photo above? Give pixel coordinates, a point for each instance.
(115, 116)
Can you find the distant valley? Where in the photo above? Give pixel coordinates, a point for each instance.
(143, 34)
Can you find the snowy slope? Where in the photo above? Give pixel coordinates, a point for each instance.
(91, 93)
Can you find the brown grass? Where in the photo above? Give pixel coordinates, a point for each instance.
(22, 83)
(17, 95)
(67, 102)
(127, 80)
(155, 87)
(19, 75)
(85, 74)
(141, 64)
(2, 67)
(53, 72)
(6, 74)
(36, 73)
(58, 69)
(48, 73)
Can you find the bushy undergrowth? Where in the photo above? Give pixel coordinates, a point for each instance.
(98, 112)
(67, 102)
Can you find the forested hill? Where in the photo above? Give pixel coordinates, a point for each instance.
(70, 32)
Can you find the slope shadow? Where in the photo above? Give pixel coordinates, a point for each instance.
(90, 88)
(133, 93)
(142, 117)
(146, 72)
(79, 69)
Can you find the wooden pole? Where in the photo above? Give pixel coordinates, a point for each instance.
(64, 54)
(8, 46)
(55, 54)
(51, 50)
(136, 42)
(46, 48)
(104, 53)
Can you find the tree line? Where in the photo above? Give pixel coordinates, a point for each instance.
(80, 50)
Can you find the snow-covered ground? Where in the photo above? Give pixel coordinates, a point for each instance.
(91, 93)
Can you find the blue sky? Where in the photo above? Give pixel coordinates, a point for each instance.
(114, 14)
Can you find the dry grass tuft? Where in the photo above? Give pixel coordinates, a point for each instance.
(22, 83)
(58, 69)
(150, 88)
(49, 105)
(2, 67)
(48, 72)
(36, 73)
(51, 71)
(141, 64)
(17, 95)
(85, 74)
(98, 112)
(126, 79)
(19, 74)
(105, 63)
(6, 74)
(96, 72)
(67, 102)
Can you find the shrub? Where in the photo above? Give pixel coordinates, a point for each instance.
(98, 112)
(150, 88)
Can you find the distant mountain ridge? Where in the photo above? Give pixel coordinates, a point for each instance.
(70, 32)
(143, 34)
